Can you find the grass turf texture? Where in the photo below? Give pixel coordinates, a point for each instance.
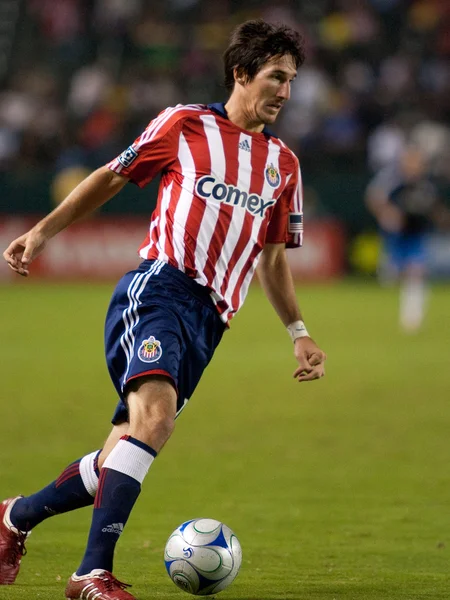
(337, 489)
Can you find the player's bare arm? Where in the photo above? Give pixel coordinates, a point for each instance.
(90, 194)
(276, 279)
(388, 216)
(440, 216)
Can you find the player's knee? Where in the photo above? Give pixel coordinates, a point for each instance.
(153, 426)
(152, 410)
(158, 416)
(165, 425)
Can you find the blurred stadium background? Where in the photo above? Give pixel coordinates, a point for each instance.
(80, 79)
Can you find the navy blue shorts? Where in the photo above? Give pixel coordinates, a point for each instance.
(402, 250)
(160, 321)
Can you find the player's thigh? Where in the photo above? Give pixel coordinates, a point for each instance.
(151, 398)
(152, 404)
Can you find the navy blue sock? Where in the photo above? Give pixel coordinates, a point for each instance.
(116, 496)
(67, 493)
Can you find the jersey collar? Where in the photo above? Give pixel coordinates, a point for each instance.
(219, 108)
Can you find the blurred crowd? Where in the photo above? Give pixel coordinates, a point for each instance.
(86, 76)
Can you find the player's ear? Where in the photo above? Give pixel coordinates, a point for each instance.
(239, 76)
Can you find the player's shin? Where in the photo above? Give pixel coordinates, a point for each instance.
(412, 304)
(119, 486)
(75, 488)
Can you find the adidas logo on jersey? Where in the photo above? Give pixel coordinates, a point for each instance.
(116, 528)
(207, 187)
(244, 145)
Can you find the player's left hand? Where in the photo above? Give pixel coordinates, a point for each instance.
(23, 250)
(311, 360)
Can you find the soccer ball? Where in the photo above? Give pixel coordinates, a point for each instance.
(202, 556)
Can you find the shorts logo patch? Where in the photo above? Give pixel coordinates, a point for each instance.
(272, 176)
(150, 350)
(128, 156)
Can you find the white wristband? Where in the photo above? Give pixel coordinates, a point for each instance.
(297, 329)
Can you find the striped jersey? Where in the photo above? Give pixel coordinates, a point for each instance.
(224, 192)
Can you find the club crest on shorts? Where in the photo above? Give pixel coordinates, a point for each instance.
(272, 176)
(150, 350)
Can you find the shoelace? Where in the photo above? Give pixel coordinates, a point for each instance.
(112, 583)
(18, 549)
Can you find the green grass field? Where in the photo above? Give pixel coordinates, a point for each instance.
(337, 489)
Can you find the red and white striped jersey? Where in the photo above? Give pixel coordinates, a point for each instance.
(224, 193)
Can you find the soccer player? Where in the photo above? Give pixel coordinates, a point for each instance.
(229, 200)
(406, 205)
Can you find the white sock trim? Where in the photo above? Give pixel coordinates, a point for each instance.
(88, 474)
(129, 459)
(7, 518)
(93, 573)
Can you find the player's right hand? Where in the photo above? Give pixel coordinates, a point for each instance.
(23, 250)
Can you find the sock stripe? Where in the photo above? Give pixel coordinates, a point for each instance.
(71, 471)
(62, 480)
(98, 495)
(101, 485)
(72, 467)
(140, 444)
(95, 465)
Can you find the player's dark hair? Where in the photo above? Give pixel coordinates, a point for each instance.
(255, 42)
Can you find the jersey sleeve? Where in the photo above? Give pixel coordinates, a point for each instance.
(286, 224)
(152, 152)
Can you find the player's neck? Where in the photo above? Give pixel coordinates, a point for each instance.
(238, 115)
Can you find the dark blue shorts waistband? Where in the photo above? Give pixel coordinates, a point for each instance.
(201, 292)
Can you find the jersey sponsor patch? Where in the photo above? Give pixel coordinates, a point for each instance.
(209, 188)
(272, 176)
(128, 156)
(150, 350)
(295, 224)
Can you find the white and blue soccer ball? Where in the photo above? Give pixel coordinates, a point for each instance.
(203, 556)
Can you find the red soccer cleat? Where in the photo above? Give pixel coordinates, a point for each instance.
(12, 544)
(98, 584)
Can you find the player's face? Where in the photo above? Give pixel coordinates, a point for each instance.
(271, 88)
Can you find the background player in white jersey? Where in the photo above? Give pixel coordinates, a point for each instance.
(229, 198)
